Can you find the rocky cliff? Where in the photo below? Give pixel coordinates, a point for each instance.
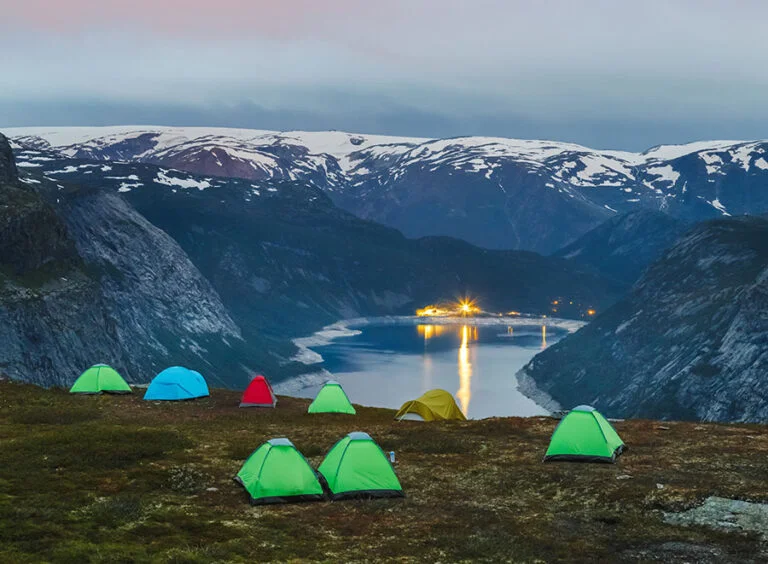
(51, 309)
(87, 279)
(690, 341)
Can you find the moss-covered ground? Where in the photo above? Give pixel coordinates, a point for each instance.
(117, 479)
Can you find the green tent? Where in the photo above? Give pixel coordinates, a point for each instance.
(357, 467)
(100, 378)
(278, 473)
(331, 399)
(584, 435)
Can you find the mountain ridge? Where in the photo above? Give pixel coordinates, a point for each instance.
(493, 192)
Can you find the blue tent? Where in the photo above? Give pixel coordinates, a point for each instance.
(177, 383)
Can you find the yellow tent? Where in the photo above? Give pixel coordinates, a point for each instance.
(434, 405)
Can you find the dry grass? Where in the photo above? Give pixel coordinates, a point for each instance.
(113, 478)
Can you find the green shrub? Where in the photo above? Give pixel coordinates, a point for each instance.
(89, 447)
(430, 439)
(58, 415)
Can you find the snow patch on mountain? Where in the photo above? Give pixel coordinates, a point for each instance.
(392, 180)
(164, 178)
(671, 152)
(719, 207)
(665, 173)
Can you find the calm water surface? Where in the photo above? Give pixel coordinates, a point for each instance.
(385, 366)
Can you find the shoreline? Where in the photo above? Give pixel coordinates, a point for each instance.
(354, 326)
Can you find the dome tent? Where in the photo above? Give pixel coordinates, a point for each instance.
(278, 473)
(258, 394)
(175, 384)
(356, 467)
(100, 378)
(331, 399)
(584, 435)
(433, 405)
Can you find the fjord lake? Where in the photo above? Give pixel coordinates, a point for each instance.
(386, 365)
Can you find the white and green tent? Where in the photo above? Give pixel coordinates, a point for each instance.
(356, 467)
(584, 435)
(278, 473)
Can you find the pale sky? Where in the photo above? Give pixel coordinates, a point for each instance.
(605, 73)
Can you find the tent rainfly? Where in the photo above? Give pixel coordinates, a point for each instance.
(176, 384)
(100, 378)
(278, 473)
(331, 399)
(258, 394)
(356, 467)
(584, 435)
(434, 405)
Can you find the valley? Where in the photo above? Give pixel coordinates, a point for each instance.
(222, 273)
(253, 261)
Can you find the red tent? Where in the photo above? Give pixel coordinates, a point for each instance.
(258, 394)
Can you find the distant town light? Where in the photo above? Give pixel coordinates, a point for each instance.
(463, 307)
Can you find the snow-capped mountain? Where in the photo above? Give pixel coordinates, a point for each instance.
(494, 192)
(144, 266)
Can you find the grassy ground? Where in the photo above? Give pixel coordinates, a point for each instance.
(116, 479)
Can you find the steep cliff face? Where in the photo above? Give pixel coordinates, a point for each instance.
(8, 171)
(162, 309)
(690, 340)
(52, 315)
(86, 279)
(31, 236)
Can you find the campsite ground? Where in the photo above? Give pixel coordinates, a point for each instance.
(113, 478)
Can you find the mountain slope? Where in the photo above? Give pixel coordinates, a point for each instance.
(688, 342)
(220, 274)
(44, 287)
(622, 247)
(281, 251)
(85, 279)
(493, 192)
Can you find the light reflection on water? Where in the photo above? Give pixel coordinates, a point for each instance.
(385, 366)
(465, 371)
(467, 333)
